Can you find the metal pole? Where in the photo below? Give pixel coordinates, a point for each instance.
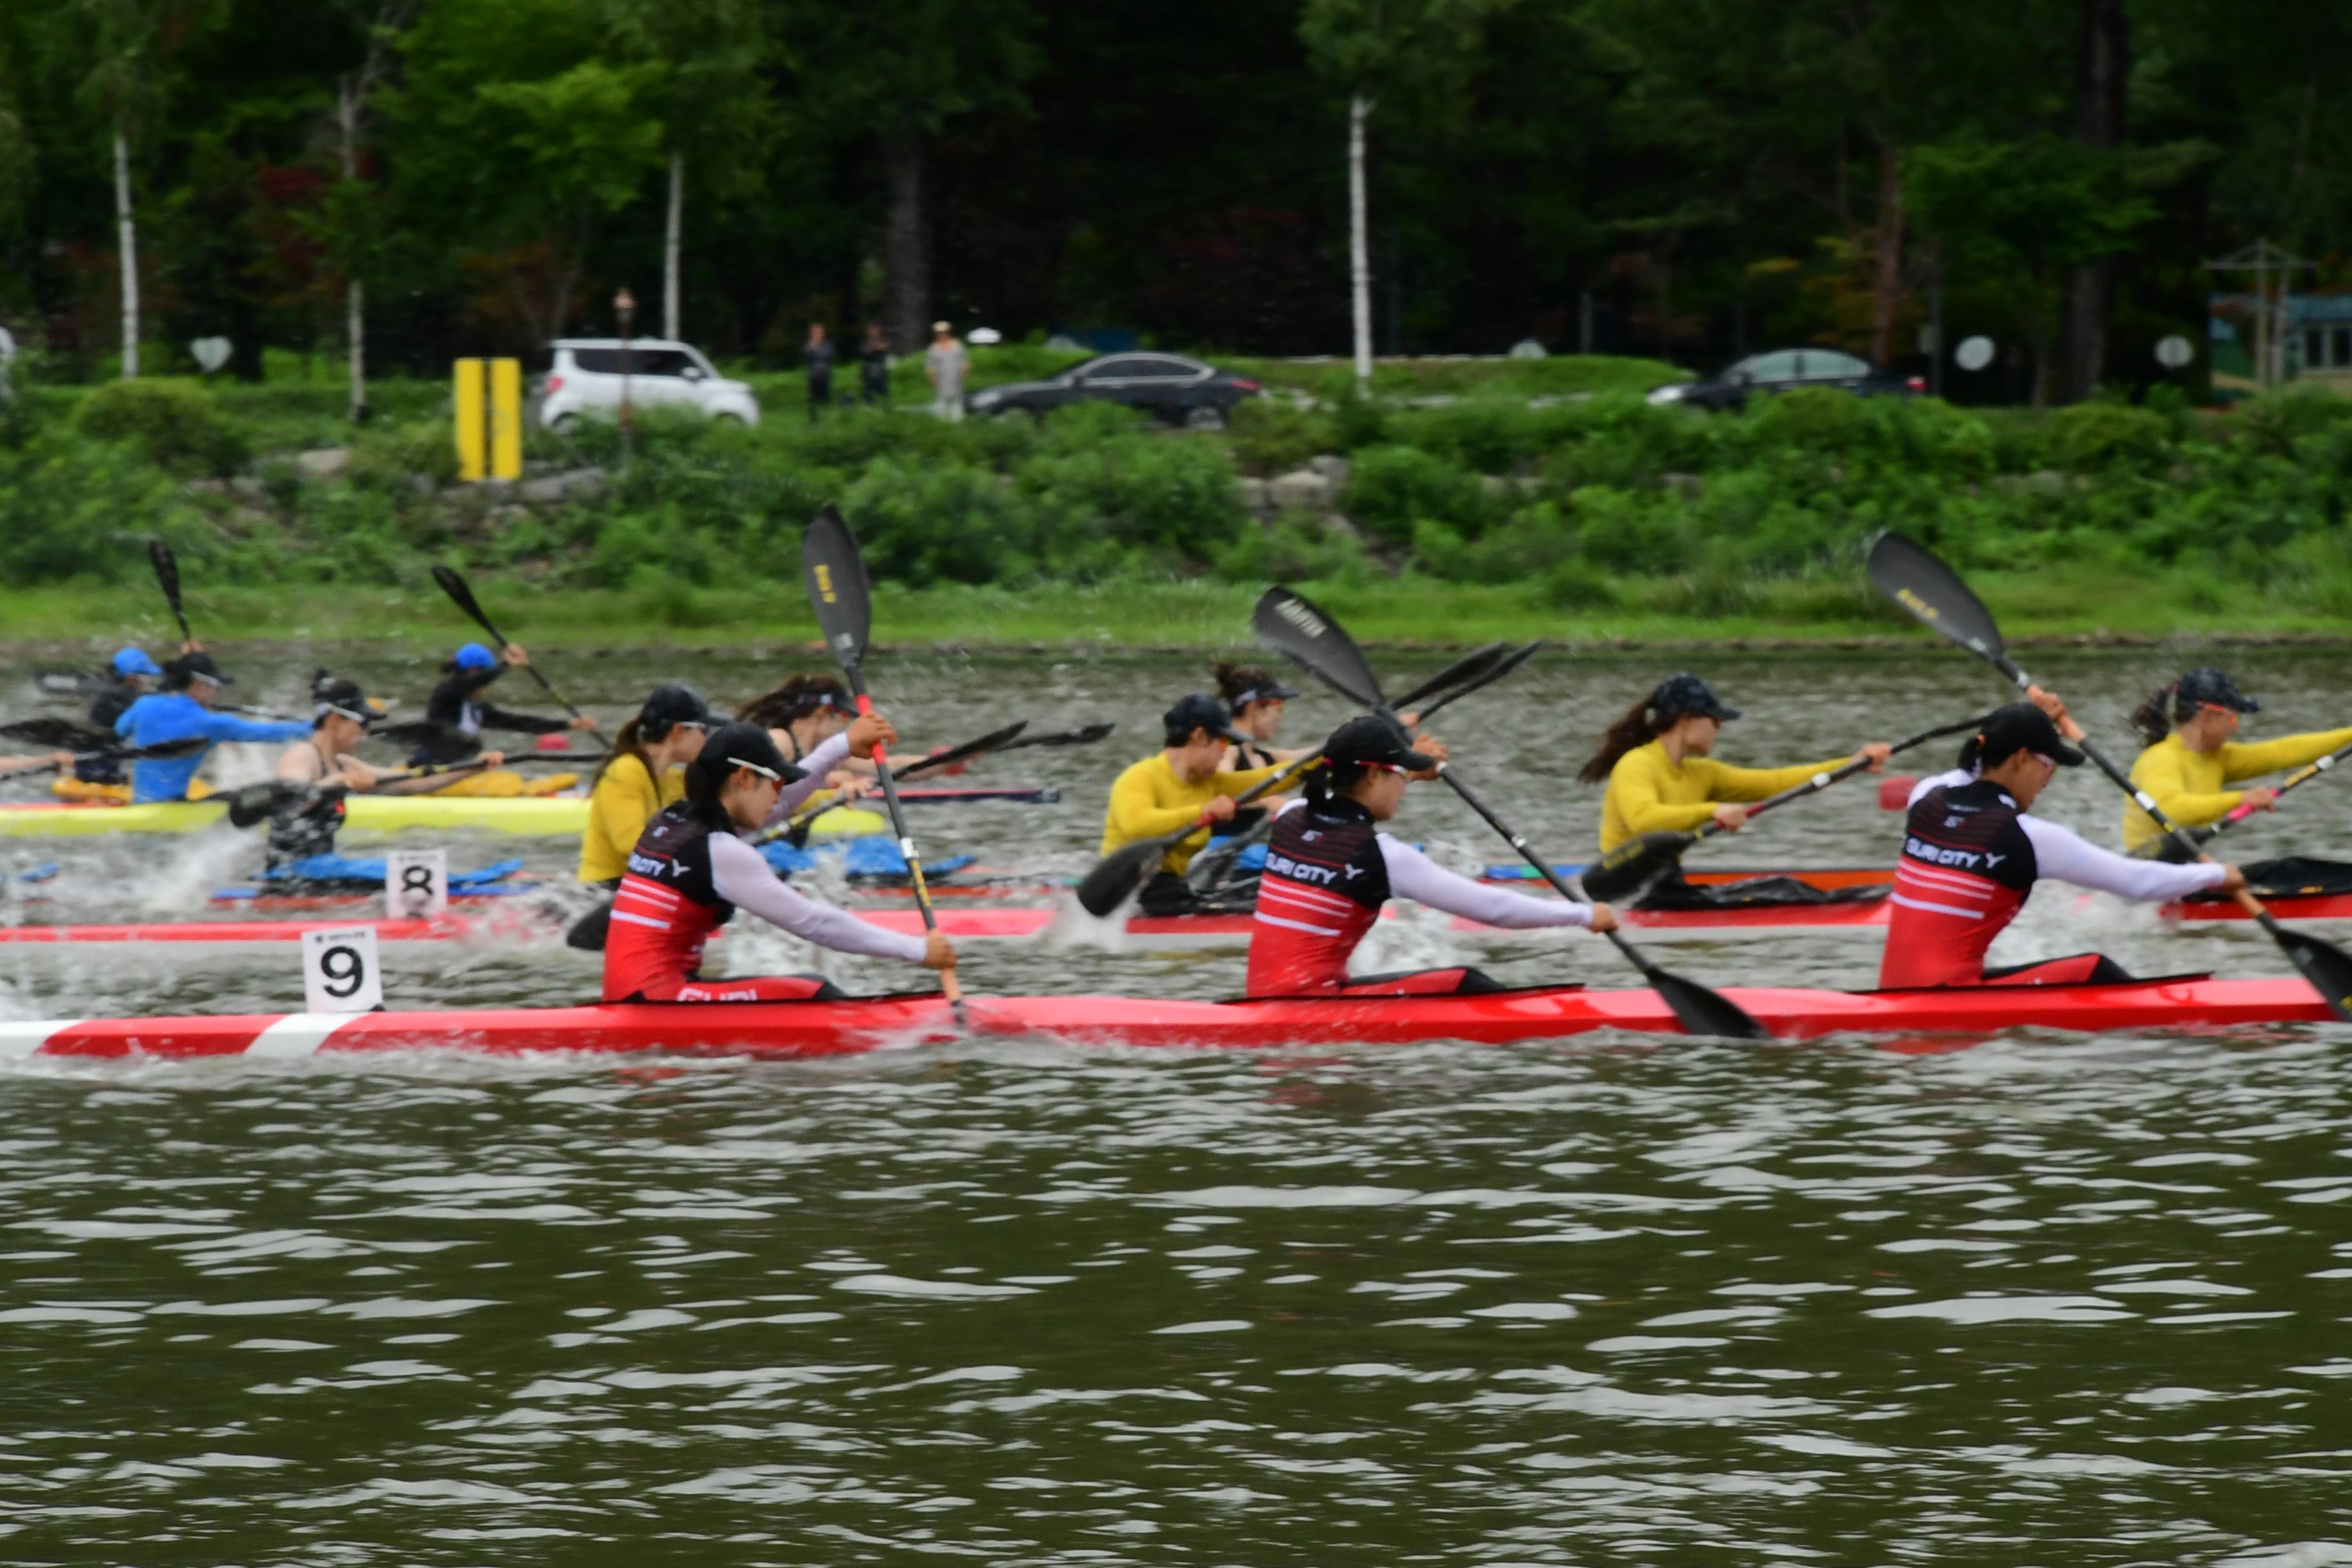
(1935, 329)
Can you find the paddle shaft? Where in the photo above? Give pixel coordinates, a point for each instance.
(1822, 780)
(948, 986)
(463, 597)
(2302, 775)
(948, 758)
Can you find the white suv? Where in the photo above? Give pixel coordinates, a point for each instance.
(585, 382)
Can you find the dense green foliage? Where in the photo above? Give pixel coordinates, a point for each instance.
(1598, 503)
(1714, 177)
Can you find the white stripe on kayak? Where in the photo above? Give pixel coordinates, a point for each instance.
(24, 1038)
(298, 1035)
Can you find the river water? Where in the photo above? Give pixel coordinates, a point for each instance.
(2047, 1300)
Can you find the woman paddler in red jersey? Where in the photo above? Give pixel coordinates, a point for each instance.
(691, 872)
(1329, 870)
(1971, 856)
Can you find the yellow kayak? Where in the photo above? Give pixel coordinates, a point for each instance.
(523, 816)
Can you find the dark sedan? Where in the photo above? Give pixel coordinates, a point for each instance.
(1786, 370)
(1179, 390)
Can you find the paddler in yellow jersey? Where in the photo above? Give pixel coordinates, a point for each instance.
(1173, 786)
(1662, 778)
(2190, 761)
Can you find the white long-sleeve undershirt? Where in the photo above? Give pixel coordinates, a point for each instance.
(2061, 854)
(742, 876)
(828, 754)
(1415, 876)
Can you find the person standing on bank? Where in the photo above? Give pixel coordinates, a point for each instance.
(874, 366)
(945, 364)
(820, 358)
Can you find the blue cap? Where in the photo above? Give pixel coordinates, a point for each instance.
(134, 661)
(474, 656)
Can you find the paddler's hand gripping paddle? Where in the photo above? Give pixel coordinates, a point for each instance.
(1907, 574)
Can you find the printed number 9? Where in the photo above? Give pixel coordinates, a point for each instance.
(342, 970)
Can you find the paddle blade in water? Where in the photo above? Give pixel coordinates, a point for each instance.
(1907, 574)
(1116, 875)
(1634, 865)
(1290, 624)
(1704, 1012)
(2328, 966)
(836, 574)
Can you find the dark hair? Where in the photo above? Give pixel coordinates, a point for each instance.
(1637, 727)
(1232, 679)
(628, 742)
(705, 781)
(795, 699)
(2154, 719)
(1971, 750)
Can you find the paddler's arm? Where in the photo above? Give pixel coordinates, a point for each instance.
(1724, 781)
(2159, 772)
(2062, 855)
(230, 727)
(740, 875)
(1633, 793)
(1247, 779)
(2252, 759)
(1134, 813)
(1415, 876)
(858, 740)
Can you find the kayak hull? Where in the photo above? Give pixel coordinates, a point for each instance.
(832, 1028)
(520, 816)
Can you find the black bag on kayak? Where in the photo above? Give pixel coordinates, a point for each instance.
(1672, 892)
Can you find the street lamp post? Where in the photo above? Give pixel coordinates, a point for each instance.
(625, 306)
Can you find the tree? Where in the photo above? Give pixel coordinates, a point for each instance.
(354, 89)
(1415, 54)
(900, 71)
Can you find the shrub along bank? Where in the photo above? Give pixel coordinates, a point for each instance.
(1599, 509)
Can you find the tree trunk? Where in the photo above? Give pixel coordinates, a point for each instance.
(2099, 100)
(127, 229)
(905, 259)
(671, 234)
(347, 115)
(1887, 258)
(1360, 258)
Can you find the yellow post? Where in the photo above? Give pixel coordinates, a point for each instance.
(471, 428)
(506, 419)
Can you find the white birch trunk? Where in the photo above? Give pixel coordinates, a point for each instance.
(347, 104)
(672, 236)
(128, 242)
(1359, 259)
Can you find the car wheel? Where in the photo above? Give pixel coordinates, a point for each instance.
(1207, 416)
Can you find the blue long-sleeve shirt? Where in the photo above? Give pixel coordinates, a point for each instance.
(162, 716)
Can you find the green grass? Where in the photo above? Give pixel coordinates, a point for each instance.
(1189, 614)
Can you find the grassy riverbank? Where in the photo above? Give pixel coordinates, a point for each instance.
(1193, 614)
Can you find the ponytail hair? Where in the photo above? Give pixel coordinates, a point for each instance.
(796, 699)
(628, 741)
(1637, 727)
(2154, 719)
(1971, 750)
(1326, 782)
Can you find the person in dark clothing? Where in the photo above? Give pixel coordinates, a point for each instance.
(458, 715)
(874, 365)
(821, 356)
(127, 680)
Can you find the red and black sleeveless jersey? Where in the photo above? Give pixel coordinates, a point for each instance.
(1966, 868)
(665, 909)
(1324, 884)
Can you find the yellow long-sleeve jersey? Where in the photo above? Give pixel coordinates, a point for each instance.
(623, 802)
(1650, 793)
(1149, 800)
(2190, 787)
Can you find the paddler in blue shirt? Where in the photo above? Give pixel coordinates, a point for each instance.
(192, 684)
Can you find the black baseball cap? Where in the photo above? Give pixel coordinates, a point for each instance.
(1197, 712)
(744, 745)
(2021, 727)
(341, 694)
(670, 705)
(1679, 694)
(193, 667)
(1368, 738)
(1266, 689)
(2206, 684)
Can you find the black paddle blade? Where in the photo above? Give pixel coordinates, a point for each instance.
(1907, 574)
(1116, 875)
(167, 570)
(836, 573)
(991, 741)
(1477, 664)
(1704, 1012)
(463, 597)
(1633, 865)
(1290, 624)
(251, 806)
(1086, 737)
(57, 735)
(2328, 966)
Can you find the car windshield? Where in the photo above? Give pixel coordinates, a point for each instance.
(1828, 364)
(1778, 367)
(694, 357)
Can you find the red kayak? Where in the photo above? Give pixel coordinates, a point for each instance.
(832, 1028)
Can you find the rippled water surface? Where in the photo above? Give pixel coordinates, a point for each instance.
(2057, 1299)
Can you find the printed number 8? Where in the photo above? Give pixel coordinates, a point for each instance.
(344, 971)
(416, 879)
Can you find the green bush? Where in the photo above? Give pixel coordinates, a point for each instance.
(1274, 435)
(1392, 488)
(177, 424)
